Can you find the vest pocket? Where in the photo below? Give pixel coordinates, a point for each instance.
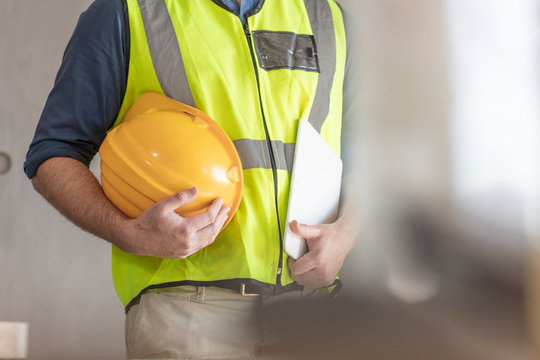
(286, 50)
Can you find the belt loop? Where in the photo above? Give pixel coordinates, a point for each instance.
(201, 293)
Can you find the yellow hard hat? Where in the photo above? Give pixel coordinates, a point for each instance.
(163, 147)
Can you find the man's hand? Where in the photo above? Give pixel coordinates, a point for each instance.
(328, 245)
(159, 231)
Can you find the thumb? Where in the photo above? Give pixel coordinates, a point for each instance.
(179, 199)
(303, 230)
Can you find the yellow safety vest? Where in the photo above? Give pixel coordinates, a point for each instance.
(256, 81)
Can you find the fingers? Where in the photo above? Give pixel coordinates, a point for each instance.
(302, 265)
(305, 231)
(316, 268)
(180, 199)
(208, 234)
(208, 217)
(309, 260)
(316, 276)
(202, 237)
(162, 235)
(314, 280)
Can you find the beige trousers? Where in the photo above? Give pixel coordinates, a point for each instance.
(192, 322)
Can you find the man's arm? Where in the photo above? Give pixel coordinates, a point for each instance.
(85, 100)
(159, 231)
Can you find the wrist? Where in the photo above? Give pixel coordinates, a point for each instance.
(349, 228)
(124, 234)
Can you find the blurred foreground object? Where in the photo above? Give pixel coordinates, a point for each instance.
(163, 147)
(13, 340)
(533, 304)
(461, 323)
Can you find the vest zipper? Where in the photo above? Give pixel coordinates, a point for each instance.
(272, 158)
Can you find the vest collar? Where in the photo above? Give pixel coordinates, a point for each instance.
(255, 10)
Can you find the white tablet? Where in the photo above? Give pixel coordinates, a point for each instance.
(315, 186)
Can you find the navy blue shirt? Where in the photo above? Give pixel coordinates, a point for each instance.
(91, 82)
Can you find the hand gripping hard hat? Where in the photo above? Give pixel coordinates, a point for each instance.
(163, 147)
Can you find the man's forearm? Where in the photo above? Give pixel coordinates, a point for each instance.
(72, 189)
(159, 231)
(349, 210)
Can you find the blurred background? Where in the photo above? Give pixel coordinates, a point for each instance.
(448, 137)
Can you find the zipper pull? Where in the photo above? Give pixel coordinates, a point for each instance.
(279, 271)
(246, 29)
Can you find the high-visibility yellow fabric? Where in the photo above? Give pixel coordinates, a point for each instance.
(222, 77)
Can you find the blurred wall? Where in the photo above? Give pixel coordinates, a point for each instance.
(403, 128)
(52, 275)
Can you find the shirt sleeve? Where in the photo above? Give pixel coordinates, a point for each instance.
(350, 125)
(88, 90)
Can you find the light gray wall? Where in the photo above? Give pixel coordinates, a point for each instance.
(52, 275)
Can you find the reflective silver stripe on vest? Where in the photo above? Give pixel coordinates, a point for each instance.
(255, 154)
(165, 51)
(322, 25)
